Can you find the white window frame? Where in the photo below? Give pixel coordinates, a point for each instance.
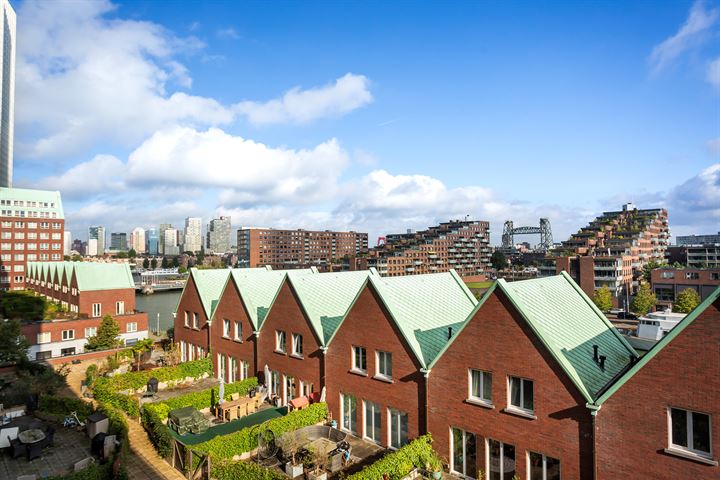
(90, 332)
(689, 450)
(183, 357)
(391, 423)
(515, 408)
(226, 328)
(129, 328)
(96, 310)
(371, 417)
(297, 340)
(68, 337)
(187, 318)
(238, 331)
(487, 402)
(280, 347)
(378, 374)
(44, 337)
(502, 456)
(120, 308)
(544, 464)
(353, 359)
(196, 321)
(451, 463)
(342, 413)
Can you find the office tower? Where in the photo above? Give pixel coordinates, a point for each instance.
(170, 242)
(163, 228)
(97, 247)
(152, 241)
(118, 241)
(31, 229)
(67, 242)
(193, 234)
(218, 235)
(7, 87)
(137, 240)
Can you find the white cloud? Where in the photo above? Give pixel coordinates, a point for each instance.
(699, 21)
(301, 106)
(713, 73)
(228, 33)
(698, 199)
(101, 174)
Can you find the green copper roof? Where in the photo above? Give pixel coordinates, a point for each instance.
(424, 307)
(31, 195)
(209, 284)
(569, 324)
(103, 276)
(671, 335)
(326, 297)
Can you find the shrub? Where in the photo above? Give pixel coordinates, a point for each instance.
(90, 374)
(235, 470)
(64, 406)
(399, 463)
(246, 440)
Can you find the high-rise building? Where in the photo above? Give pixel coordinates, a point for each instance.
(163, 228)
(152, 241)
(137, 240)
(282, 249)
(218, 235)
(96, 247)
(170, 242)
(118, 241)
(7, 86)
(67, 242)
(79, 246)
(193, 234)
(710, 239)
(31, 229)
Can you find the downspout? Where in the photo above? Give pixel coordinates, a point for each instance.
(426, 376)
(323, 366)
(256, 357)
(594, 409)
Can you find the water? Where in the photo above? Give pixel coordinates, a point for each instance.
(163, 303)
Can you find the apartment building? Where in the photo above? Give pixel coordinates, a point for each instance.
(667, 283)
(218, 235)
(701, 255)
(463, 246)
(31, 229)
(87, 291)
(288, 249)
(682, 240)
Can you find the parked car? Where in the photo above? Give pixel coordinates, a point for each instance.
(627, 316)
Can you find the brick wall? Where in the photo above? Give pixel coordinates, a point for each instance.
(106, 299)
(368, 325)
(56, 327)
(190, 302)
(499, 341)
(632, 425)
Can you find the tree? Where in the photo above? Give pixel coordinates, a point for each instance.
(175, 262)
(146, 264)
(66, 258)
(164, 263)
(140, 347)
(13, 344)
(603, 299)
(121, 255)
(153, 263)
(106, 336)
(498, 260)
(182, 269)
(132, 253)
(77, 258)
(644, 300)
(686, 301)
(649, 267)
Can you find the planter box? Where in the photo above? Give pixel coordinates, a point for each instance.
(293, 471)
(317, 476)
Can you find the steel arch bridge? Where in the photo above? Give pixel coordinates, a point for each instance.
(544, 230)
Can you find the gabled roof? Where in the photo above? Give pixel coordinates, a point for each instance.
(209, 284)
(326, 298)
(669, 337)
(93, 276)
(69, 269)
(424, 307)
(569, 324)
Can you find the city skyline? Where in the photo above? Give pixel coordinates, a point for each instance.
(472, 124)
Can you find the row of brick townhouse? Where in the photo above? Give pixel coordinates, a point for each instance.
(87, 291)
(532, 380)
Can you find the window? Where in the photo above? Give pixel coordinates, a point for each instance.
(542, 467)
(372, 421)
(667, 274)
(43, 355)
(692, 275)
(226, 328)
(280, 341)
(383, 361)
(715, 276)
(244, 369)
(43, 337)
(500, 460)
(398, 428)
(96, 309)
(464, 453)
(183, 358)
(297, 345)
(359, 359)
(68, 334)
(689, 432)
(348, 413)
(238, 331)
(521, 394)
(196, 321)
(119, 308)
(67, 351)
(187, 318)
(90, 332)
(480, 386)
(221, 361)
(131, 327)
(232, 370)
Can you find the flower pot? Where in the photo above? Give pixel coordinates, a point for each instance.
(437, 475)
(333, 423)
(317, 476)
(293, 471)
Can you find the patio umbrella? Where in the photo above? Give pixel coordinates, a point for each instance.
(267, 376)
(222, 391)
(322, 394)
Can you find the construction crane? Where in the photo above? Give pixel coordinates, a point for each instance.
(544, 230)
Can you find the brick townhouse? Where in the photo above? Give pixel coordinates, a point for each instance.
(377, 359)
(508, 395)
(87, 292)
(662, 418)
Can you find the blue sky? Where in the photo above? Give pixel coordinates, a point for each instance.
(373, 116)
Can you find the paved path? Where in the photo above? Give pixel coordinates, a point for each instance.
(143, 463)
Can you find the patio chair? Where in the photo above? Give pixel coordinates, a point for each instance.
(34, 450)
(6, 435)
(18, 448)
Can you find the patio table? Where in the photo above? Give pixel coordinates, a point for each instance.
(31, 436)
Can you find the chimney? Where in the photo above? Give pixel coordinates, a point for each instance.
(602, 362)
(595, 353)
(450, 332)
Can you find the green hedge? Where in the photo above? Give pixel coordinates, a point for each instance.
(243, 470)
(245, 440)
(399, 463)
(93, 472)
(154, 414)
(64, 406)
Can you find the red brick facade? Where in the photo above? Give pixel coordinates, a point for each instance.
(369, 325)
(498, 340)
(193, 340)
(56, 327)
(632, 428)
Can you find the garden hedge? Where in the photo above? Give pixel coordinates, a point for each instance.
(63, 406)
(241, 470)
(399, 463)
(245, 440)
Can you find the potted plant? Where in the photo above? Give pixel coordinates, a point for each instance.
(290, 444)
(319, 454)
(434, 465)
